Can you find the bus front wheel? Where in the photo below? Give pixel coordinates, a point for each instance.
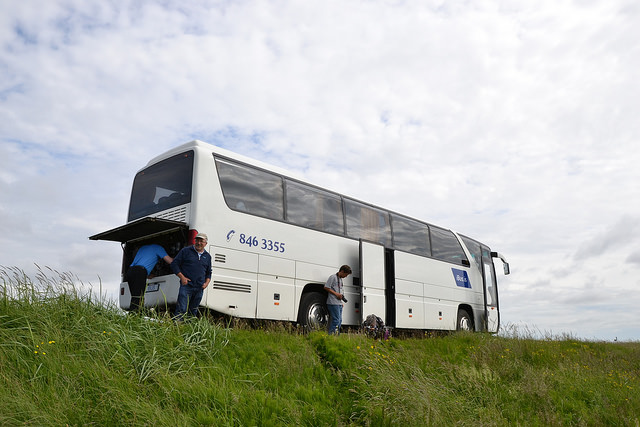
(465, 323)
(313, 312)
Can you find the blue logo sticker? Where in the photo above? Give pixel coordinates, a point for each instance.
(462, 279)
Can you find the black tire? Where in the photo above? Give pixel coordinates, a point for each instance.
(313, 312)
(465, 321)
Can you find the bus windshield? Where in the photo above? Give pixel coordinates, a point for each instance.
(162, 186)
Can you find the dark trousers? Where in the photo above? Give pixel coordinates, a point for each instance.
(189, 298)
(137, 278)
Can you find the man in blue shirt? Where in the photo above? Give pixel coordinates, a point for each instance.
(146, 258)
(193, 266)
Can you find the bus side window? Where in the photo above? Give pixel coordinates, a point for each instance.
(411, 236)
(366, 222)
(251, 190)
(474, 249)
(445, 246)
(313, 208)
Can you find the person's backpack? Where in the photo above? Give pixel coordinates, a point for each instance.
(374, 326)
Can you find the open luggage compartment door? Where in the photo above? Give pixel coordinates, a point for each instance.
(372, 280)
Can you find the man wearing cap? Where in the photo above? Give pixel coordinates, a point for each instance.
(193, 266)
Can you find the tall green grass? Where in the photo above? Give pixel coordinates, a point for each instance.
(69, 358)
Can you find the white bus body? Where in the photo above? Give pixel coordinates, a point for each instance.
(275, 240)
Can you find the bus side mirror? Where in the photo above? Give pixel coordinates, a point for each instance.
(505, 264)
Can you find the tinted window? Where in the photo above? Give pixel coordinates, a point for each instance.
(411, 236)
(445, 246)
(476, 253)
(314, 208)
(162, 186)
(250, 190)
(365, 222)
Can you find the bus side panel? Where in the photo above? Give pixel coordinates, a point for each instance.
(276, 288)
(162, 291)
(440, 314)
(276, 297)
(442, 296)
(232, 292)
(409, 304)
(313, 273)
(430, 284)
(234, 282)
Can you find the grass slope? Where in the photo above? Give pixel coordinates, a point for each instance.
(67, 359)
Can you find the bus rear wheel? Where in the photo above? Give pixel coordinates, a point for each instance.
(313, 312)
(465, 323)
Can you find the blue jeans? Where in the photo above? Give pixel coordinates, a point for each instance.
(335, 313)
(189, 298)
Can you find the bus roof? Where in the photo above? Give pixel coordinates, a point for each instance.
(205, 147)
(222, 152)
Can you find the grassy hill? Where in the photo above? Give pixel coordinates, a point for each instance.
(65, 358)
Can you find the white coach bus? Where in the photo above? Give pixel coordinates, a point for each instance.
(275, 240)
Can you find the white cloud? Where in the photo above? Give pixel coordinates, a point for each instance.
(512, 123)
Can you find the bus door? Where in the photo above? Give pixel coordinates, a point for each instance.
(372, 280)
(490, 291)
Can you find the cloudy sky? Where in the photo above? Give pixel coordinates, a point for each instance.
(516, 123)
